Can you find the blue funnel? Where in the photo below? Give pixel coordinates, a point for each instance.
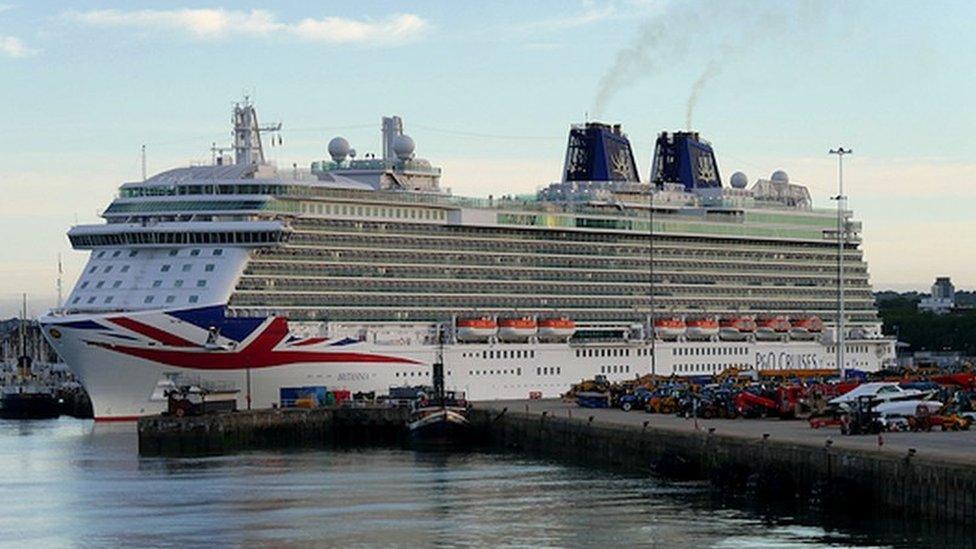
(599, 152)
(681, 157)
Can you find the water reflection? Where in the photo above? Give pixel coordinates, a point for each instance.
(70, 482)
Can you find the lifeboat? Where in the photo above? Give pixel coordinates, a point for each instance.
(702, 328)
(477, 328)
(558, 328)
(736, 328)
(517, 328)
(772, 328)
(669, 328)
(806, 327)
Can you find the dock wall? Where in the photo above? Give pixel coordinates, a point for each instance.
(907, 486)
(269, 429)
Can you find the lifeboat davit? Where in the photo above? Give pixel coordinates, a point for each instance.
(737, 328)
(701, 328)
(476, 328)
(772, 328)
(517, 328)
(807, 327)
(558, 328)
(669, 328)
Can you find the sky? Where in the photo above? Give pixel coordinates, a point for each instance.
(488, 91)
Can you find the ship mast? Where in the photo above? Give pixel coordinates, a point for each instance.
(248, 148)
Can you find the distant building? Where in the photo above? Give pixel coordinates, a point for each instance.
(943, 297)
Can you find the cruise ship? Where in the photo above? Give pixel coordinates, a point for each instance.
(351, 273)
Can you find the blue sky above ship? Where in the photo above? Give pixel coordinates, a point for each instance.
(488, 92)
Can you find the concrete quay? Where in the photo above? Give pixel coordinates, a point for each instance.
(269, 429)
(931, 475)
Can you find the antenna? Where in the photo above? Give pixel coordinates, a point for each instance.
(60, 272)
(21, 332)
(144, 162)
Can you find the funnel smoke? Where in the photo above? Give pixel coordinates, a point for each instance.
(715, 30)
(711, 70)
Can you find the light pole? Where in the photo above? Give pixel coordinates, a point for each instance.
(841, 239)
(650, 241)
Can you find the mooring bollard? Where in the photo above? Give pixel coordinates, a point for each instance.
(590, 420)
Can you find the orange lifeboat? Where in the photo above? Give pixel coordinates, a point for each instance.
(772, 328)
(517, 328)
(476, 328)
(701, 328)
(737, 328)
(669, 328)
(559, 328)
(806, 327)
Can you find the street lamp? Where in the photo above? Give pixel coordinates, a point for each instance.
(841, 239)
(650, 237)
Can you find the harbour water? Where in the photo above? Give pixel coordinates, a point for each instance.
(72, 482)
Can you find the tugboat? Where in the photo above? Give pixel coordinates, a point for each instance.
(27, 399)
(442, 419)
(24, 397)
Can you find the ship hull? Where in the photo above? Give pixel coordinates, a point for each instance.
(125, 371)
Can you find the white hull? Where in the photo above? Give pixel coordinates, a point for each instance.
(122, 386)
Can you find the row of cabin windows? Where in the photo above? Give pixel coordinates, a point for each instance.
(548, 370)
(133, 253)
(148, 299)
(508, 354)
(615, 369)
(702, 368)
(849, 348)
(372, 211)
(201, 283)
(709, 351)
(586, 353)
(511, 371)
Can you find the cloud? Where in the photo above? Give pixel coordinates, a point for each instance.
(590, 15)
(13, 47)
(214, 24)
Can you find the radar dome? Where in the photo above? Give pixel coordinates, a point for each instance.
(339, 148)
(739, 180)
(779, 176)
(403, 146)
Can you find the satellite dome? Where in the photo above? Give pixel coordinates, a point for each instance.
(339, 148)
(739, 180)
(779, 176)
(403, 146)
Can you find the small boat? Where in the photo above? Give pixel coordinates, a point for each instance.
(559, 328)
(26, 398)
(441, 422)
(807, 327)
(736, 328)
(669, 328)
(477, 328)
(701, 328)
(906, 408)
(29, 401)
(517, 328)
(772, 328)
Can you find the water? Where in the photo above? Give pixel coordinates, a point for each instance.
(70, 482)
